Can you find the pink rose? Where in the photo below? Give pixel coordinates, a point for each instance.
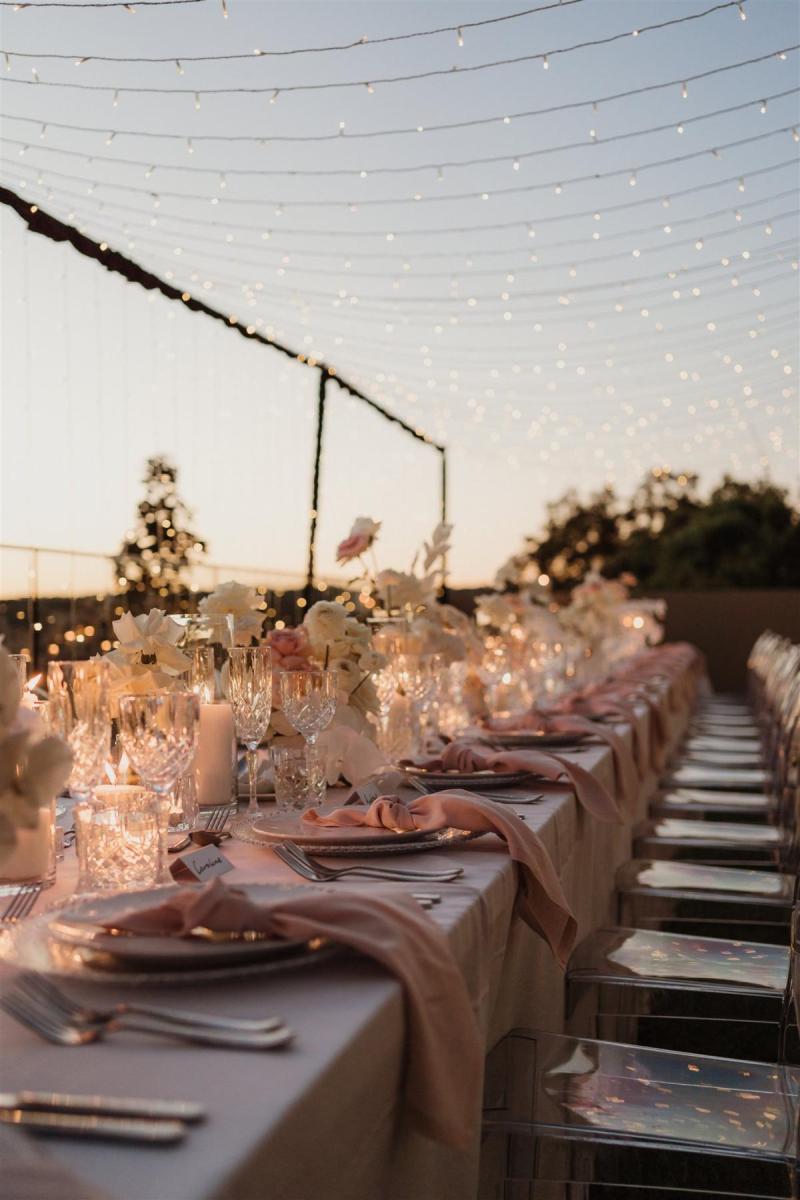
(352, 547)
(290, 649)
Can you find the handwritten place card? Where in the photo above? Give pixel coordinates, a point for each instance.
(202, 864)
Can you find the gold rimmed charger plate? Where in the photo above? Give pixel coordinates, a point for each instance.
(67, 941)
(354, 842)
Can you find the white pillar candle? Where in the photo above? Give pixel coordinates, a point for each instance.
(216, 755)
(32, 857)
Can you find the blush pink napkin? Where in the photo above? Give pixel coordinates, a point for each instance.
(466, 756)
(625, 774)
(444, 1052)
(540, 899)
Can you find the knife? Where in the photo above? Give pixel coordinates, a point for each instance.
(83, 931)
(102, 1106)
(72, 1125)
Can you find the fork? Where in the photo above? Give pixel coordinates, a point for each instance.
(28, 983)
(216, 821)
(20, 904)
(50, 1024)
(301, 862)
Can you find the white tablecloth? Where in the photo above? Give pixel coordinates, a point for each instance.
(320, 1121)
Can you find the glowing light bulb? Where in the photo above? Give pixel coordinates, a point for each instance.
(684, 92)
(459, 38)
(546, 63)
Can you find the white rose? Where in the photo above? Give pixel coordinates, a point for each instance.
(326, 622)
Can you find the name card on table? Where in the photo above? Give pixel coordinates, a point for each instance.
(202, 864)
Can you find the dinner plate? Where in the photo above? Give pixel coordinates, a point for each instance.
(65, 941)
(472, 780)
(529, 738)
(349, 843)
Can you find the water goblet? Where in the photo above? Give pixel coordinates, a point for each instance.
(308, 700)
(250, 695)
(78, 712)
(159, 735)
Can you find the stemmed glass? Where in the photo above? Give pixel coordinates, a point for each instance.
(308, 701)
(250, 695)
(78, 712)
(159, 735)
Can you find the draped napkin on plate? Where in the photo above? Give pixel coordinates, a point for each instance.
(444, 1052)
(540, 899)
(467, 756)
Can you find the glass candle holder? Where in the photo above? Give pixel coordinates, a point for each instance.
(33, 856)
(120, 839)
(299, 778)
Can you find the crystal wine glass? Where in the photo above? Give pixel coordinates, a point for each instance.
(159, 734)
(250, 695)
(78, 712)
(308, 700)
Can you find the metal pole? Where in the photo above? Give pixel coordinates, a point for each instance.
(312, 534)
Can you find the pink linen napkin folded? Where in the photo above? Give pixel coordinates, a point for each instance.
(444, 1052)
(468, 757)
(627, 782)
(540, 899)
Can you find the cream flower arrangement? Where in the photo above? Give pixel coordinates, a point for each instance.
(240, 602)
(147, 658)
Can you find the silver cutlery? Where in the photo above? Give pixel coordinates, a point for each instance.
(213, 833)
(20, 903)
(311, 868)
(50, 1024)
(102, 1106)
(114, 1128)
(39, 988)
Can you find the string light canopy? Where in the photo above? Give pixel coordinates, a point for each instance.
(463, 217)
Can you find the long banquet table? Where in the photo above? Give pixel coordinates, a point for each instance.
(321, 1120)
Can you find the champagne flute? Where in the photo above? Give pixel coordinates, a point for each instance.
(250, 695)
(78, 712)
(308, 700)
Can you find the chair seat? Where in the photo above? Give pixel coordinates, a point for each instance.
(738, 745)
(713, 833)
(654, 1117)
(684, 879)
(733, 760)
(694, 775)
(697, 802)
(649, 957)
(713, 728)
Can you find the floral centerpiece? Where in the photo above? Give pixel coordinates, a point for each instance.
(147, 658)
(33, 769)
(411, 594)
(331, 639)
(242, 604)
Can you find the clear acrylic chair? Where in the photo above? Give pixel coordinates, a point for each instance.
(689, 897)
(679, 992)
(573, 1117)
(595, 1117)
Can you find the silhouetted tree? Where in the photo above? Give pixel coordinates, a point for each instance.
(156, 552)
(743, 535)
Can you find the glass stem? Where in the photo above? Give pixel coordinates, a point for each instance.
(252, 778)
